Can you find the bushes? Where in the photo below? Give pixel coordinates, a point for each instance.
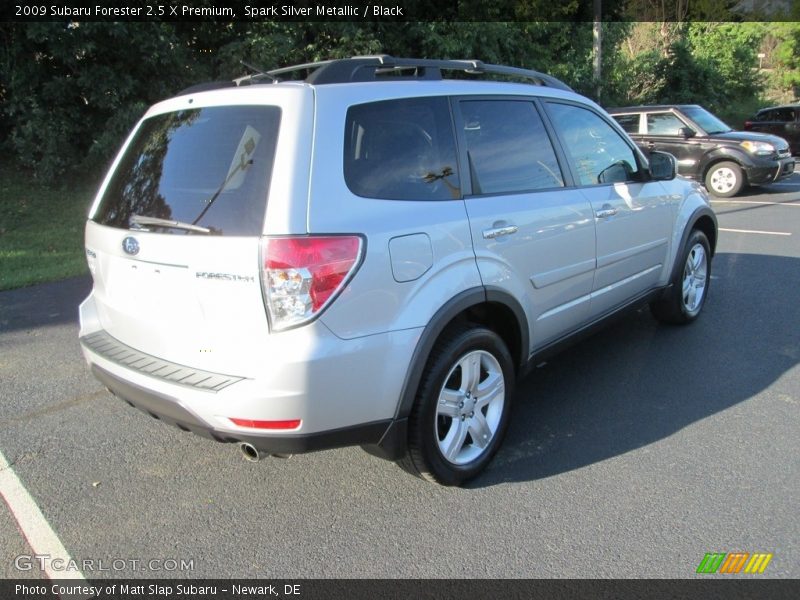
(70, 92)
(73, 90)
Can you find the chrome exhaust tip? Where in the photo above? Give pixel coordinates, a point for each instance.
(250, 452)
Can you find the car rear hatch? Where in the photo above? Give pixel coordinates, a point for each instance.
(173, 239)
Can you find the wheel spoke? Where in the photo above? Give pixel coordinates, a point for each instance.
(470, 372)
(699, 290)
(489, 389)
(698, 258)
(453, 442)
(449, 401)
(701, 272)
(700, 278)
(692, 298)
(479, 430)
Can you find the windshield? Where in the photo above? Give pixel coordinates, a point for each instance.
(706, 120)
(207, 169)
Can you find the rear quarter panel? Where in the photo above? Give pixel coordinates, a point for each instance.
(375, 301)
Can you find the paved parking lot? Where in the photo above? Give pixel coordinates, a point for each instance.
(630, 455)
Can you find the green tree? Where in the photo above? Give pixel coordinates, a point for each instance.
(73, 90)
(728, 53)
(713, 64)
(70, 92)
(781, 47)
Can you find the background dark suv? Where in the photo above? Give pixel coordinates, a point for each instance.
(707, 149)
(783, 121)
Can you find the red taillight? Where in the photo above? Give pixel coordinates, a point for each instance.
(748, 124)
(290, 424)
(301, 274)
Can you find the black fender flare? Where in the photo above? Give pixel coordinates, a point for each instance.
(702, 211)
(455, 306)
(393, 442)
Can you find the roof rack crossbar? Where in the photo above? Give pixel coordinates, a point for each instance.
(301, 67)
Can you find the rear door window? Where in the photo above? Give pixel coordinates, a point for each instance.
(401, 150)
(664, 124)
(508, 148)
(629, 123)
(209, 168)
(767, 115)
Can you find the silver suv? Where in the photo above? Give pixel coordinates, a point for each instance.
(372, 255)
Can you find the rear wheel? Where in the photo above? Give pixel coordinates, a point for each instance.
(462, 406)
(687, 295)
(725, 179)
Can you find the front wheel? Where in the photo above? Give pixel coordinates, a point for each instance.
(687, 295)
(725, 179)
(462, 407)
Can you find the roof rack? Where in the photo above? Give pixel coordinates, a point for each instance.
(368, 68)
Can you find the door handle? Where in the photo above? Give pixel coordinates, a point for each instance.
(490, 234)
(604, 213)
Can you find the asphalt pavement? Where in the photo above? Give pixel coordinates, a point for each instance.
(632, 454)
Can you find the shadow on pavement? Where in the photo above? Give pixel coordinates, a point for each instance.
(631, 385)
(52, 303)
(638, 381)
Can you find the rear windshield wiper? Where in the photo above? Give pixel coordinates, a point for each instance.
(142, 220)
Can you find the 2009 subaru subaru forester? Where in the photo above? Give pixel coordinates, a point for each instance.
(373, 254)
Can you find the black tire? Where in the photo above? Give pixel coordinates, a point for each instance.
(725, 179)
(679, 305)
(429, 429)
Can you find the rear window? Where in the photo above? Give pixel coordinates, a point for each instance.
(401, 150)
(207, 168)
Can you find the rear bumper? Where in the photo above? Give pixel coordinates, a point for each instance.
(343, 392)
(172, 411)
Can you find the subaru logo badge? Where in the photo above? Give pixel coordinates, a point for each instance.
(130, 245)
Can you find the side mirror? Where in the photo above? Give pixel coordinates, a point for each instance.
(618, 172)
(687, 132)
(662, 166)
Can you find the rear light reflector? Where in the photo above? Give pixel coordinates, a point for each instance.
(301, 275)
(291, 424)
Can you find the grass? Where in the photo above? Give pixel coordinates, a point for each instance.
(41, 230)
